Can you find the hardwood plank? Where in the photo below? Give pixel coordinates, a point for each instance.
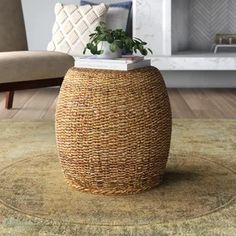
(37, 105)
(172, 93)
(179, 106)
(200, 103)
(50, 114)
(230, 96)
(40, 104)
(20, 98)
(221, 100)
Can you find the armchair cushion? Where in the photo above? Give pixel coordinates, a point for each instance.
(12, 27)
(33, 65)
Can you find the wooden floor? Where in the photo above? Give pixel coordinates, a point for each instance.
(186, 103)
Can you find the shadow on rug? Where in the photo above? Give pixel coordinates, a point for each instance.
(197, 196)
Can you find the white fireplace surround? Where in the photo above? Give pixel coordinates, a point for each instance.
(153, 21)
(177, 26)
(166, 24)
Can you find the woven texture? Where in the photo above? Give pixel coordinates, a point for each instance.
(73, 26)
(113, 129)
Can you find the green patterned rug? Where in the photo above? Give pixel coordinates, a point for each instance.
(197, 196)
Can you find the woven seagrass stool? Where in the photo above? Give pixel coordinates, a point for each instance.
(113, 129)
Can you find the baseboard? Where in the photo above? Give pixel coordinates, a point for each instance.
(200, 79)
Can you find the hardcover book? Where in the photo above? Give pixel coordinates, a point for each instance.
(125, 63)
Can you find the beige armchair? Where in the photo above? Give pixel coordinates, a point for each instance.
(20, 68)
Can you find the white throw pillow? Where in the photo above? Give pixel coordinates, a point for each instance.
(119, 15)
(73, 26)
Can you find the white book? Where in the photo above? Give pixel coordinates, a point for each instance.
(106, 64)
(124, 59)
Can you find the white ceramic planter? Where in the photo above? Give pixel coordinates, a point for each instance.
(107, 54)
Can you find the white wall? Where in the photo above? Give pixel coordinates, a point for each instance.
(39, 19)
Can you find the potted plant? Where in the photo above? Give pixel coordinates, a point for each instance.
(107, 43)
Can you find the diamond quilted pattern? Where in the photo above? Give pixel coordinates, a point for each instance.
(85, 9)
(76, 17)
(74, 37)
(68, 27)
(83, 27)
(65, 47)
(52, 46)
(58, 9)
(91, 16)
(71, 8)
(59, 37)
(73, 26)
(55, 28)
(62, 17)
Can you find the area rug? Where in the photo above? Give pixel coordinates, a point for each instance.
(197, 196)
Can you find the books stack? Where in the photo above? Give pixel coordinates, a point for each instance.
(125, 63)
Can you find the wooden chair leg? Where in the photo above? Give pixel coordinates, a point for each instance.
(9, 99)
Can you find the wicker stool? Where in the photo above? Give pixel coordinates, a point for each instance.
(113, 129)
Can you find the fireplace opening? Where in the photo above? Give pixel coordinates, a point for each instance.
(195, 24)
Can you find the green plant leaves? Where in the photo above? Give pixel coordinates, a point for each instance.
(118, 39)
(101, 37)
(119, 44)
(144, 52)
(129, 43)
(94, 49)
(98, 29)
(89, 45)
(113, 47)
(99, 52)
(109, 38)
